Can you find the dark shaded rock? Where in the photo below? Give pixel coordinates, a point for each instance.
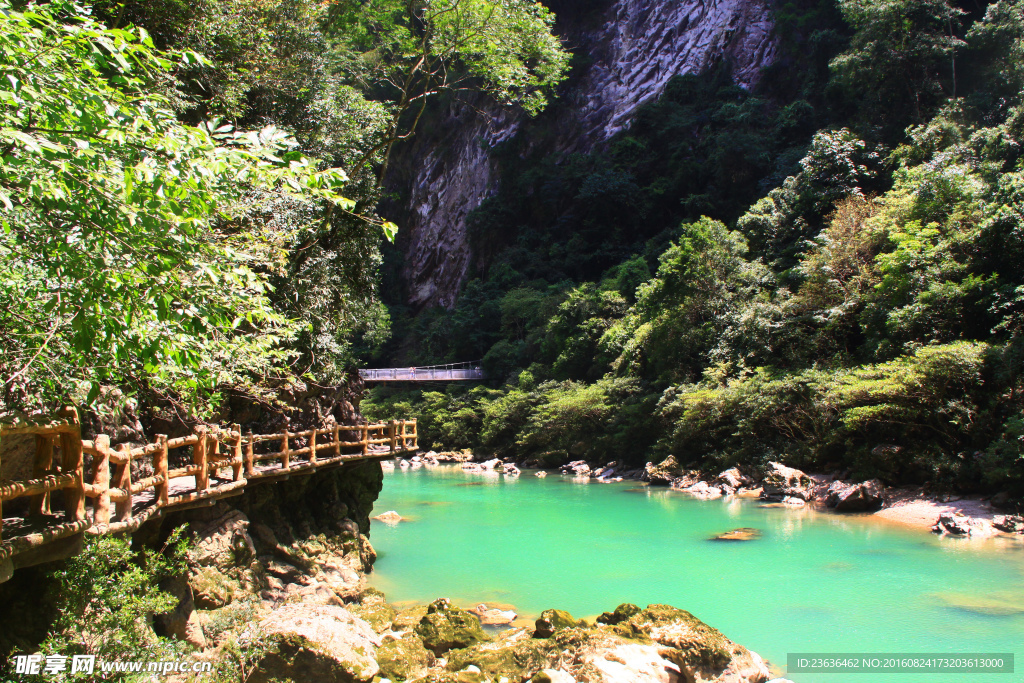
(621, 613)
(552, 620)
(1001, 500)
(445, 627)
(956, 524)
(1011, 524)
(664, 473)
(862, 497)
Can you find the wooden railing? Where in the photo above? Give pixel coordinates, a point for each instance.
(220, 464)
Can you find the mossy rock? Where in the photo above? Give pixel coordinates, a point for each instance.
(691, 642)
(552, 620)
(378, 615)
(621, 613)
(446, 627)
(293, 658)
(212, 589)
(371, 595)
(514, 655)
(402, 659)
(664, 472)
(408, 618)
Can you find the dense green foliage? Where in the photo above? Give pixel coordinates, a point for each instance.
(171, 177)
(863, 315)
(107, 596)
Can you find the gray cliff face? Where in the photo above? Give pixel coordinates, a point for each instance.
(639, 47)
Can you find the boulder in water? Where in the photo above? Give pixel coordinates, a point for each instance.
(541, 474)
(855, 497)
(781, 481)
(742, 534)
(580, 468)
(391, 518)
(956, 524)
(664, 473)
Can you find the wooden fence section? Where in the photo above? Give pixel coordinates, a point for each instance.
(210, 464)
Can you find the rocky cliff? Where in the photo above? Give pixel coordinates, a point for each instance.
(626, 55)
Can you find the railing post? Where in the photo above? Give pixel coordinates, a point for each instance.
(249, 446)
(403, 435)
(40, 468)
(123, 480)
(337, 441)
(214, 457)
(285, 452)
(160, 469)
(199, 459)
(312, 447)
(101, 480)
(366, 439)
(392, 434)
(72, 461)
(415, 436)
(236, 454)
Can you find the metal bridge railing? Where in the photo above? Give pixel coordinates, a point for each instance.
(452, 372)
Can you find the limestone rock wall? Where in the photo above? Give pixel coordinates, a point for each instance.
(632, 51)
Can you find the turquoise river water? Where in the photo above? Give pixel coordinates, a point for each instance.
(814, 582)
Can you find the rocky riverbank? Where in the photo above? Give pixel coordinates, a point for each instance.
(969, 517)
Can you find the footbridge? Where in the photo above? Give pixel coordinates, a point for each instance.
(74, 487)
(453, 372)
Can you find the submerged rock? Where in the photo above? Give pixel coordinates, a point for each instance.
(541, 474)
(391, 518)
(781, 481)
(445, 627)
(703, 490)
(741, 534)
(317, 643)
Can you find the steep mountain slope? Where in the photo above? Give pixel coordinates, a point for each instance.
(626, 54)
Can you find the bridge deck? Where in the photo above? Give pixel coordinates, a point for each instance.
(458, 372)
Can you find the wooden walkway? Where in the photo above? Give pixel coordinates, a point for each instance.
(219, 464)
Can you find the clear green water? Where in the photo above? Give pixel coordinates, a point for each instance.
(814, 582)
